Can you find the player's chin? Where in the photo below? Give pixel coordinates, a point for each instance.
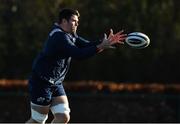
(74, 30)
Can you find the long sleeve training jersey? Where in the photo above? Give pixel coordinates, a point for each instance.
(53, 62)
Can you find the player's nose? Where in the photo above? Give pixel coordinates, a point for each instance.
(76, 24)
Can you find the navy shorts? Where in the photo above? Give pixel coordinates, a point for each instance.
(42, 92)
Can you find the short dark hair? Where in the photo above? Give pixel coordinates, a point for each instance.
(66, 13)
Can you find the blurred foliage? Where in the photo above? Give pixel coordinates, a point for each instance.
(24, 26)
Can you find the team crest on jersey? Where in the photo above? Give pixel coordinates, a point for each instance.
(40, 99)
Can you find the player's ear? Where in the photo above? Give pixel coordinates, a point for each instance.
(64, 21)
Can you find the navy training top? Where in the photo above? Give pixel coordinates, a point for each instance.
(53, 62)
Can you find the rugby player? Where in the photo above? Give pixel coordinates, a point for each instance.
(52, 63)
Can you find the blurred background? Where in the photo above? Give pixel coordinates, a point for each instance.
(122, 85)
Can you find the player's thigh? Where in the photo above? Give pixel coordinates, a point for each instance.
(40, 92)
(59, 100)
(40, 95)
(38, 113)
(40, 108)
(60, 109)
(59, 104)
(59, 95)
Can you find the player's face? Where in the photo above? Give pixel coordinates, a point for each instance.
(72, 24)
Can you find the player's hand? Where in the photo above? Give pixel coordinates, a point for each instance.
(117, 38)
(112, 39)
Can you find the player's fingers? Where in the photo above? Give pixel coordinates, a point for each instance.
(120, 35)
(110, 34)
(120, 32)
(118, 38)
(105, 36)
(111, 31)
(118, 41)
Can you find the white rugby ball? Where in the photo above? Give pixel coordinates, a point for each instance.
(137, 40)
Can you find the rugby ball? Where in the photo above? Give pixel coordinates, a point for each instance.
(137, 40)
